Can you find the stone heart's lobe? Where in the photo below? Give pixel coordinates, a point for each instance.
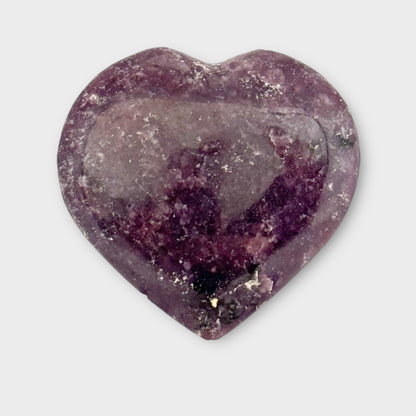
(208, 186)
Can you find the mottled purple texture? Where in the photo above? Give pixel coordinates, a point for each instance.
(208, 186)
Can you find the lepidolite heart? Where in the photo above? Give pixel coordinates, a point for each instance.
(208, 186)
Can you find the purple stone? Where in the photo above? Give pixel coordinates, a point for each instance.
(208, 186)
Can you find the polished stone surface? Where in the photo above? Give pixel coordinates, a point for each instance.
(208, 186)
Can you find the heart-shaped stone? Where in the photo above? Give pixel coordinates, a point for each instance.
(208, 186)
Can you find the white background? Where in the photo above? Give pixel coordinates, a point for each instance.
(77, 339)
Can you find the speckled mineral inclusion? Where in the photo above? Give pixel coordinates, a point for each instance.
(208, 186)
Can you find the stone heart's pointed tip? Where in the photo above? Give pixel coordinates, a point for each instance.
(208, 186)
(209, 336)
(213, 334)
